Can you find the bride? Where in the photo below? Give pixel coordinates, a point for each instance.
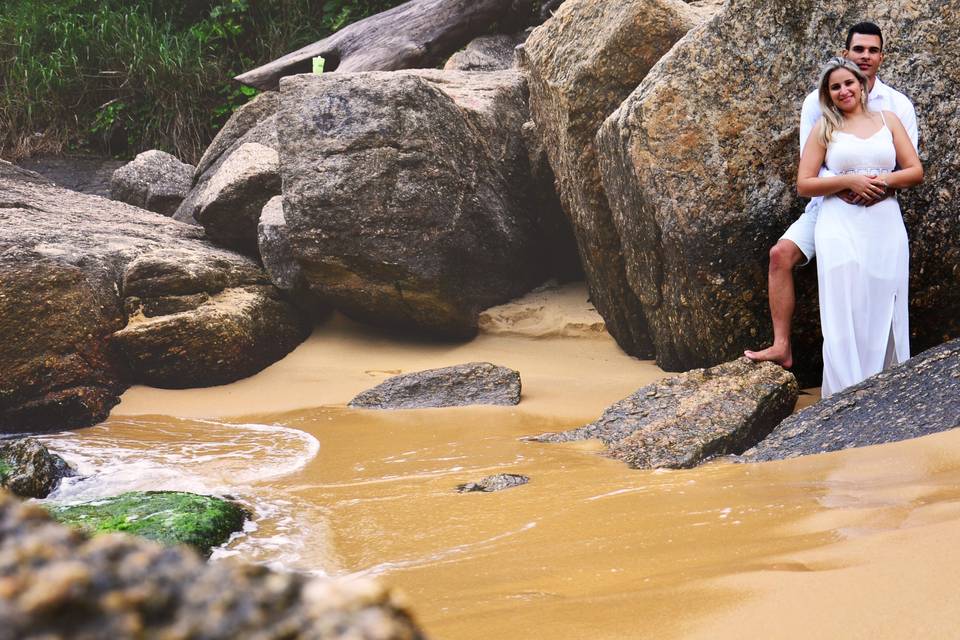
(862, 250)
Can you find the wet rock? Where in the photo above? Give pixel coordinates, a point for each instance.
(254, 122)
(408, 194)
(486, 53)
(167, 517)
(582, 63)
(229, 206)
(284, 272)
(463, 384)
(121, 587)
(154, 180)
(71, 265)
(700, 170)
(917, 398)
(227, 336)
(497, 482)
(683, 420)
(29, 470)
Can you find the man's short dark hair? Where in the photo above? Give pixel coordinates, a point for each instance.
(867, 29)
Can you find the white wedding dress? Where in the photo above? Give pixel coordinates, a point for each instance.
(862, 269)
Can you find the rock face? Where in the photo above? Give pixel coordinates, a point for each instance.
(700, 168)
(463, 384)
(229, 206)
(254, 122)
(73, 267)
(284, 272)
(408, 195)
(486, 53)
(582, 63)
(679, 422)
(497, 482)
(29, 470)
(167, 517)
(917, 398)
(121, 587)
(154, 180)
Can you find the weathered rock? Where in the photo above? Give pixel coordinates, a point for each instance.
(459, 385)
(69, 264)
(486, 53)
(700, 165)
(76, 171)
(582, 63)
(117, 586)
(407, 194)
(29, 470)
(680, 421)
(167, 517)
(497, 482)
(229, 206)
(917, 398)
(154, 180)
(284, 272)
(254, 122)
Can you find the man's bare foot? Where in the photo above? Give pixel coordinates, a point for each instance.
(782, 355)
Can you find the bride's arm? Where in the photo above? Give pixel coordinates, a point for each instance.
(809, 184)
(910, 172)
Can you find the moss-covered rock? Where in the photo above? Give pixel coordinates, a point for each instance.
(168, 517)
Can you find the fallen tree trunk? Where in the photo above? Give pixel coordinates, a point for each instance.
(419, 33)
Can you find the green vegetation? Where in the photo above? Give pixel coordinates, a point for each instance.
(168, 517)
(130, 75)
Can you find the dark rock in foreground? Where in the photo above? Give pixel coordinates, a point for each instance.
(497, 482)
(154, 180)
(60, 583)
(167, 517)
(29, 470)
(460, 385)
(683, 420)
(917, 398)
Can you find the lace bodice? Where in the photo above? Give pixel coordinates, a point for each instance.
(848, 152)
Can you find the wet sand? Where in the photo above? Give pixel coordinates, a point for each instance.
(852, 544)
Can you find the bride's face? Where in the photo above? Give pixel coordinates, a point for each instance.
(845, 90)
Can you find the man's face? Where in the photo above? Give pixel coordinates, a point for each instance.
(865, 52)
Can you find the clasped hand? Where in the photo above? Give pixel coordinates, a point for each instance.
(864, 189)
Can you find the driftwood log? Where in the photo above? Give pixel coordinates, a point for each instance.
(419, 33)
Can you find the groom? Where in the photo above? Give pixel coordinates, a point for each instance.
(864, 48)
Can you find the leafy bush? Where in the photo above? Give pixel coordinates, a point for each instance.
(128, 75)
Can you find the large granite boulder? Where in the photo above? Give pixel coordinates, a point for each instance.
(683, 420)
(917, 398)
(74, 268)
(700, 162)
(456, 386)
(582, 63)
(408, 195)
(231, 201)
(29, 470)
(254, 122)
(154, 180)
(60, 583)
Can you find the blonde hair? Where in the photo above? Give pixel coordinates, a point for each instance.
(832, 116)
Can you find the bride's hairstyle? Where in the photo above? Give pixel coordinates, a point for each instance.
(832, 116)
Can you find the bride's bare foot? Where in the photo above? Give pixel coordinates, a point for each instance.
(782, 355)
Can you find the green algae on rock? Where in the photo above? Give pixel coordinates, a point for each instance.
(29, 470)
(168, 517)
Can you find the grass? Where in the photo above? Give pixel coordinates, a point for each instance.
(129, 75)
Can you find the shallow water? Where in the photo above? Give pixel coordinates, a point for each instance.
(589, 548)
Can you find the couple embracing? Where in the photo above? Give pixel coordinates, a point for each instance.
(858, 139)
